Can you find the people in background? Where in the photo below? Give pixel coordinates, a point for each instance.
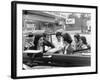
(77, 44)
(67, 49)
(84, 44)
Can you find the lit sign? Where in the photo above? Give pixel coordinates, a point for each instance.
(70, 21)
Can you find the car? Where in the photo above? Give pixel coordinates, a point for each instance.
(76, 59)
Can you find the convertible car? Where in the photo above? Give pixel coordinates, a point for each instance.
(76, 59)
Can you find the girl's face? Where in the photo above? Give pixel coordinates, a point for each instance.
(81, 41)
(59, 38)
(41, 41)
(47, 37)
(75, 39)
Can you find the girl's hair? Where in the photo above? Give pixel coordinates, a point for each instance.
(67, 37)
(77, 36)
(58, 33)
(83, 38)
(36, 39)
